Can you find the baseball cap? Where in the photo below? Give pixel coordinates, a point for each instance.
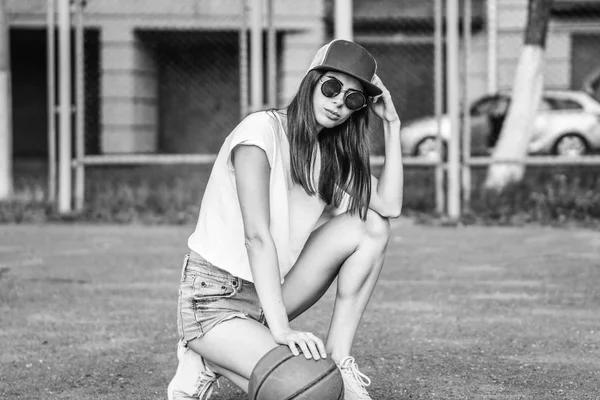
(350, 58)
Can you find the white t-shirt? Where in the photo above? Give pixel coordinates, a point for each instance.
(219, 234)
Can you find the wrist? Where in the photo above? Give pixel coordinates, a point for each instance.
(279, 329)
(392, 127)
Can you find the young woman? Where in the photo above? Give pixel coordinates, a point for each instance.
(261, 254)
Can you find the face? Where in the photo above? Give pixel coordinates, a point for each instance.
(332, 111)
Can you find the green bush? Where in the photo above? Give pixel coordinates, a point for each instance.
(172, 194)
(549, 196)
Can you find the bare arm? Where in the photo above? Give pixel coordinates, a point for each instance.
(252, 175)
(387, 192)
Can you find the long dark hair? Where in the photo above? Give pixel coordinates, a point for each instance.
(345, 163)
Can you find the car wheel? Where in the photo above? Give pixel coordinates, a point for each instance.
(571, 145)
(428, 148)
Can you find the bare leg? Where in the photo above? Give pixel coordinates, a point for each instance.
(353, 250)
(346, 247)
(233, 355)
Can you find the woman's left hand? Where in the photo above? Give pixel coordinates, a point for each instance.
(382, 105)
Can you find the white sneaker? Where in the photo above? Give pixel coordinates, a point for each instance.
(355, 382)
(193, 380)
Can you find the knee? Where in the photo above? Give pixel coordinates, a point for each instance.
(377, 227)
(374, 229)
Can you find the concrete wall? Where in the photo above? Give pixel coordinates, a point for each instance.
(512, 19)
(477, 66)
(207, 14)
(129, 93)
(559, 56)
(299, 48)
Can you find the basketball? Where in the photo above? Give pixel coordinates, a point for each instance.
(279, 375)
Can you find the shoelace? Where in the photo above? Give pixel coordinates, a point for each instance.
(349, 367)
(209, 378)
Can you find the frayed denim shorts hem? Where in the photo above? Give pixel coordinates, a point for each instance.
(209, 296)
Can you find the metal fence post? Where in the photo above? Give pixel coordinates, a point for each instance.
(243, 60)
(440, 198)
(51, 65)
(453, 107)
(271, 56)
(256, 56)
(466, 120)
(65, 190)
(80, 106)
(492, 45)
(342, 23)
(6, 132)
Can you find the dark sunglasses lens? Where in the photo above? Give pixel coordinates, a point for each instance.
(331, 88)
(355, 101)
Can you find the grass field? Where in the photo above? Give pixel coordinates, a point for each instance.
(169, 194)
(88, 312)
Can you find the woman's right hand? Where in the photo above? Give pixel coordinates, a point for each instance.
(311, 346)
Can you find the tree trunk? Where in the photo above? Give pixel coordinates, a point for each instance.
(6, 148)
(526, 94)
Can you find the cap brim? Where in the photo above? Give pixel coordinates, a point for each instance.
(370, 89)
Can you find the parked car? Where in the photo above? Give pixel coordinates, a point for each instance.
(567, 124)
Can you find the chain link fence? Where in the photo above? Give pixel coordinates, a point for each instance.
(164, 82)
(166, 96)
(163, 87)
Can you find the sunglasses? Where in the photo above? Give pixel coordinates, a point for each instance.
(353, 99)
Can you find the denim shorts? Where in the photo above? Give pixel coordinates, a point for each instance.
(209, 295)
